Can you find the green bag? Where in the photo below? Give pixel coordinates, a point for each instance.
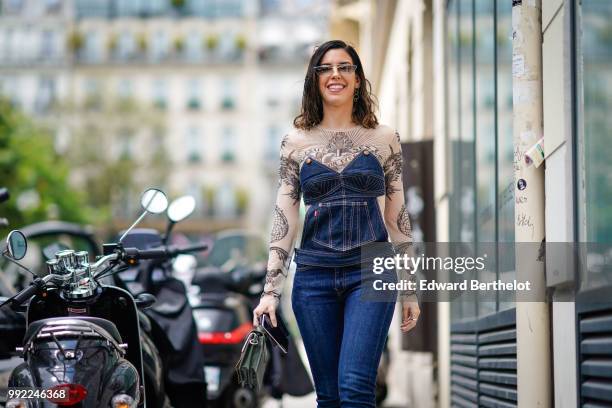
(253, 360)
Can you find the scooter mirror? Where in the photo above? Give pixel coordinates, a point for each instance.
(154, 201)
(17, 245)
(181, 208)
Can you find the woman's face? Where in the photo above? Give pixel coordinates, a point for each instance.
(337, 86)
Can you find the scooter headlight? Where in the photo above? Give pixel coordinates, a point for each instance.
(123, 401)
(16, 403)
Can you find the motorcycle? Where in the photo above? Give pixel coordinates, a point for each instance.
(13, 279)
(172, 327)
(82, 345)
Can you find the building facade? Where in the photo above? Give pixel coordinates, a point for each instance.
(191, 95)
(448, 75)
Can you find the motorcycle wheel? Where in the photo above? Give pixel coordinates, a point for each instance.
(240, 397)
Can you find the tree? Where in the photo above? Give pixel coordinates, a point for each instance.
(36, 176)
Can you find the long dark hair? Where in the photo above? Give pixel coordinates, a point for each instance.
(311, 112)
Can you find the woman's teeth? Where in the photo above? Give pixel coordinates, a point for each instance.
(335, 87)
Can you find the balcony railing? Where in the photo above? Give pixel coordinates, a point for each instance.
(168, 8)
(277, 55)
(114, 57)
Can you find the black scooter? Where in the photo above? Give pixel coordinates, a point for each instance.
(82, 346)
(172, 327)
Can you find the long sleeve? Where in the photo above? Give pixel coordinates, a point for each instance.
(285, 219)
(396, 214)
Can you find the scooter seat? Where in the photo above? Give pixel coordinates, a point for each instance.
(109, 329)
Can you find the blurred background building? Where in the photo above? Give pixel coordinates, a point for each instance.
(193, 96)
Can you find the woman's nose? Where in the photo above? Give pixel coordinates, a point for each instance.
(335, 72)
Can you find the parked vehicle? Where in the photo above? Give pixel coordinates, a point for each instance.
(172, 327)
(83, 335)
(13, 278)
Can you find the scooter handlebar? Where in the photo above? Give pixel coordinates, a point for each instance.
(165, 252)
(36, 286)
(187, 249)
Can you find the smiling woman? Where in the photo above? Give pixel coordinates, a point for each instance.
(348, 170)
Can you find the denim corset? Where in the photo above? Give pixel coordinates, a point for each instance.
(343, 212)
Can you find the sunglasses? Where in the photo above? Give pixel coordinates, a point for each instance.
(343, 69)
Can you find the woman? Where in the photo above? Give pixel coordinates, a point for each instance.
(348, 169)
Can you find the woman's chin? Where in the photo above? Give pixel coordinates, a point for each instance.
(336, 100)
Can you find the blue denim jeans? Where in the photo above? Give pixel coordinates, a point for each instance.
(343, 335)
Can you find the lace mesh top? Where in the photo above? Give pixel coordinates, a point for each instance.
(334, 149)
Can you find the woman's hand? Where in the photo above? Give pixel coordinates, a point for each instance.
(410, 314)
(267, 304)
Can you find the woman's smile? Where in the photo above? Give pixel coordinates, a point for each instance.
(335, 87)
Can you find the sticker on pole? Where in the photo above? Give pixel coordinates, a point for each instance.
(521, 184)
(518, 65)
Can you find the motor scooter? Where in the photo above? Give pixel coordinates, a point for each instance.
(82, 345)
(172, 326)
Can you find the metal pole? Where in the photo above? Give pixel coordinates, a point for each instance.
(532, 318)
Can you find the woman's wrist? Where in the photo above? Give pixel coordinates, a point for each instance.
(273, 294)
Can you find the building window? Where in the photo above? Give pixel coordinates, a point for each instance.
(479, 86)
(159, 49)
(48, 41)
(93, 98)
(127, 8)
(505, 147)
(194, 46)
(160, 99)
(125, 144)
(216, 8)
(193, 143)
(228, 145)
(13, 6)
(93, 8)
(193, 94)
(11, 90)
(595, 122)
(158, 7)
(127, 45)
(225, 201)
(124, 90)
(53, 6)
(8, 44)
(269, 7)
(227, 45)
(46, 95)
(228, 98)
(92, 46)
(271, 149)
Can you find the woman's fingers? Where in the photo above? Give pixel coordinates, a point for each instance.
(272, 314)
(405, 312)
(255, 318)
(410, 315)
(408, 326)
